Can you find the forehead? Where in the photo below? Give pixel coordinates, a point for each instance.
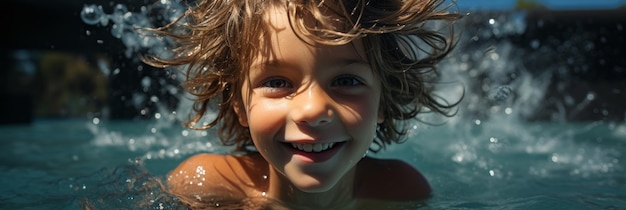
(309, 18)
(284, 36)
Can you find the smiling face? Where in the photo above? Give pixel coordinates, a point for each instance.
(312, 110)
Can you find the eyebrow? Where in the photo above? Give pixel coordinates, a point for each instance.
(277, 63)
(274, 63)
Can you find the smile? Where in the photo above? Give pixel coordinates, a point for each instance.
(313, 147)
(314, 152)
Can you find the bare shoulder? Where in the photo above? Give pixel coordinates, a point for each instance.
(214, 176)
(390, 179)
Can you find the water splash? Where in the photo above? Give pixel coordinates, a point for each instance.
(496, 131)
(128, 186)
(124, 23)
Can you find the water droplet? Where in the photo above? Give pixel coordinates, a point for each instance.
(146, 82)
(535, 44)
(494, 56)
(154, 99)
(91, 14)
(590, 96)
(493, 140)
(501, 94)
(555, 158)
(117, 30)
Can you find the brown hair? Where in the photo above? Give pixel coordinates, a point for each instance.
(216, 40)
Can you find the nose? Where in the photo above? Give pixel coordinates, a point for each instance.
(313, 107)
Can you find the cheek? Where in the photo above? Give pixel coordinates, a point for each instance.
(362, 115)
(264, 117)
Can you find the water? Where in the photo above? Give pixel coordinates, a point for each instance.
(522, 138)
(74, 164)
(531, 166)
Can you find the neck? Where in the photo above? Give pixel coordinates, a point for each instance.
(281, 189)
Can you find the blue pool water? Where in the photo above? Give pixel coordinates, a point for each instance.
(78, 164)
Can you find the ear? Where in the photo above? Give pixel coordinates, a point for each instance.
(240, 110)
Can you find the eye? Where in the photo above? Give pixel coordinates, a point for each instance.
(347, 81)
(276, 83)
(275, 88)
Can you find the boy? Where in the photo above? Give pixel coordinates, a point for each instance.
(303, 89)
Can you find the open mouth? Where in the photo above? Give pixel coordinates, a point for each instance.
(318, 147)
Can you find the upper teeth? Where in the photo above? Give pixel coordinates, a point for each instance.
(313, 147)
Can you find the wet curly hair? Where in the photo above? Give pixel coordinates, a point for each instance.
(215, 42)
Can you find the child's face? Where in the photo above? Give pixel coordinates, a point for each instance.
(312, 111)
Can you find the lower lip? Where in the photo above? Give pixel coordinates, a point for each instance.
(315, 157)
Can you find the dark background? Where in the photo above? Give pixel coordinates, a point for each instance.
(53, 30)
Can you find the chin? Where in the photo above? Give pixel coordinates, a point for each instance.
(314, 188)
(310, 184)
